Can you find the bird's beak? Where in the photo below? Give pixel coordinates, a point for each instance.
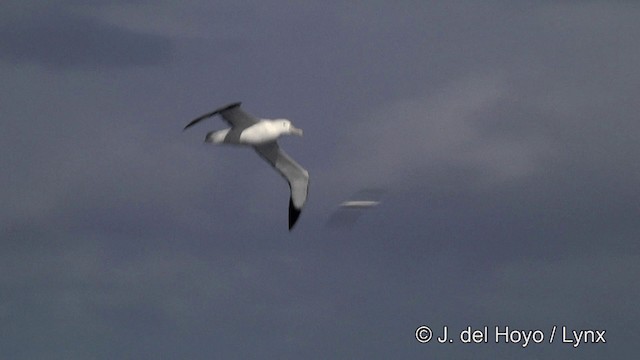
(296, 131)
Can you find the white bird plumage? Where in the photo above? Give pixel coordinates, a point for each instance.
(262, 135)
(258, 134)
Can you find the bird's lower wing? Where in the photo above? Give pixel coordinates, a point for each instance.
(295, 174)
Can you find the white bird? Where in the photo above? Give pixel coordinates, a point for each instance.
(262, 134)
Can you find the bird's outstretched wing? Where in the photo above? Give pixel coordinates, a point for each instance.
(295, 174)
(232, 114)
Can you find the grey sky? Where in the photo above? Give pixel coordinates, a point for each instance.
(504, 134)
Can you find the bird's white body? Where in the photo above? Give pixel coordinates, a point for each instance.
(260, 133)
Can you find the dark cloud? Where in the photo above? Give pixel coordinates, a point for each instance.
(66, 40)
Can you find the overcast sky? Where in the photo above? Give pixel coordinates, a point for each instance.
(504, 135)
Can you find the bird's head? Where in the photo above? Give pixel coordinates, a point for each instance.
(287, 127)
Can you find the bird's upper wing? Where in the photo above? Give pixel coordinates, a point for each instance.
(295, 174)
(232, 113)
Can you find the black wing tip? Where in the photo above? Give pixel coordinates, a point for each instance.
(226, 107)
(294, 213)
(189, 125)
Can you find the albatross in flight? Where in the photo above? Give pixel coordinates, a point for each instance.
(262, 135)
